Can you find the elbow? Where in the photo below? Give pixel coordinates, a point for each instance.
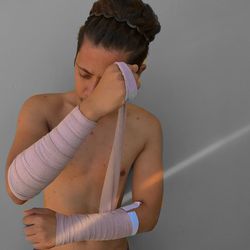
(16, 200)
(12, 196)
(151, 226)
(147, 221)
(146, 226)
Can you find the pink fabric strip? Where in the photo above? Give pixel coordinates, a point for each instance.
(111, 222)
(108, 201)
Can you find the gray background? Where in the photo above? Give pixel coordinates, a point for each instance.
(196, 83)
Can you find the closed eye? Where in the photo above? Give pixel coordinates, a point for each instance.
(85, 76)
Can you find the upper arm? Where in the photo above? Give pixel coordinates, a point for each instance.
(147, 180)
(31, 126)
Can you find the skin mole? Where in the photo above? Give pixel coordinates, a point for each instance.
(123, 172)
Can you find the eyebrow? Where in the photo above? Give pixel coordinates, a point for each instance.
(84, 70)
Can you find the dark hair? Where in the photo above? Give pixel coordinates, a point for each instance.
(107, 25)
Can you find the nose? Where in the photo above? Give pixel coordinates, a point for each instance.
(92, 85)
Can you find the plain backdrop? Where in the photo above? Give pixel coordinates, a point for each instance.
(196, 83)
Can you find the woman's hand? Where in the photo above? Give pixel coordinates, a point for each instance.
(40, 227)
(109, 94)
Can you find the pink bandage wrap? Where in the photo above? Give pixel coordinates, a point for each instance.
(111, 225)
(111, 222)
(38, 165)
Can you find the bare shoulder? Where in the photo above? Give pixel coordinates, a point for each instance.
(49, 101)
(47, 104)
(145, 119)
(145, 123)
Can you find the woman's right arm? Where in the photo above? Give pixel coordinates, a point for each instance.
(37, 156)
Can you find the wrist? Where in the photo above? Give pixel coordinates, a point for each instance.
(88, 111)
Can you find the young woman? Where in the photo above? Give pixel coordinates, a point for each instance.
(63, 141)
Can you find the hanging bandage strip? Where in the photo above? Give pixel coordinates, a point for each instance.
(108, 201)
(111, 222)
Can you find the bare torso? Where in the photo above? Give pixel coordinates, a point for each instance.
(77, 189)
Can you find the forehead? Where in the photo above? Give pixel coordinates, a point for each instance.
(97, 58)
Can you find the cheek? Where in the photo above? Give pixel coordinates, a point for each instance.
(79, 85)
(78, 79)
(79, 82)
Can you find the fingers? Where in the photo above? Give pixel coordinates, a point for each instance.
(29, 230)
(30, 234)
(134, 67)
(135, 70)
(136, 73)
(34, 240)
(37, 210)
(29, 219)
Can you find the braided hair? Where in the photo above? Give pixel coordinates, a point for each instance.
(126, 25)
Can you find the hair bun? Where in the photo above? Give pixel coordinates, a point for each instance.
(135, 13)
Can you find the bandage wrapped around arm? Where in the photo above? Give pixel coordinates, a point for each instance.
(38, 165)
(115, 224)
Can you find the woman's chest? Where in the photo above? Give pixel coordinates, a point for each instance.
(83, 176)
